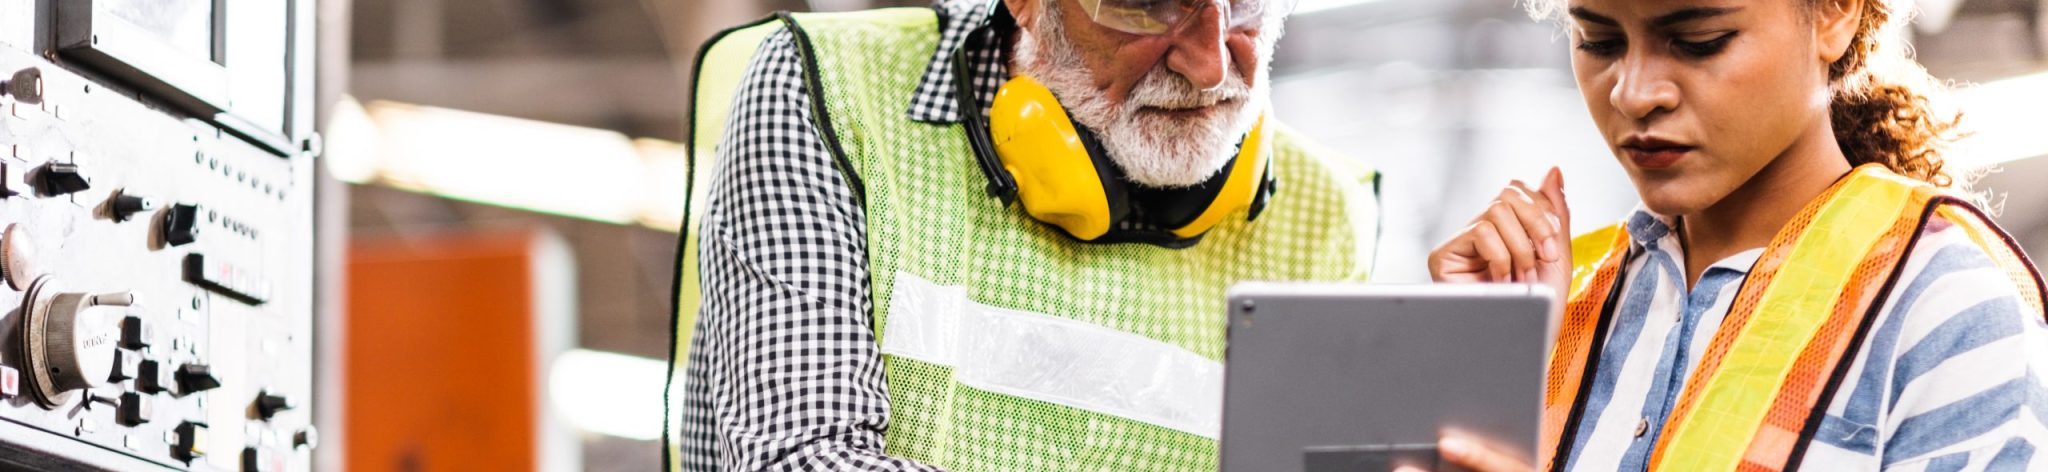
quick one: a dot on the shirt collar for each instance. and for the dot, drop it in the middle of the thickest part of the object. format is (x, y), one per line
(933, 101)
(1650, 231)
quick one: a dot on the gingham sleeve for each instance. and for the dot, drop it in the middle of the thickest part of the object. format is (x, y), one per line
(784, 372)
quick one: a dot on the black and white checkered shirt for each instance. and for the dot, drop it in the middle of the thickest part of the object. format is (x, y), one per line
(784, 372)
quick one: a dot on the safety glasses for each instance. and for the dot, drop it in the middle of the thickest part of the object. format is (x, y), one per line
(1161, 16)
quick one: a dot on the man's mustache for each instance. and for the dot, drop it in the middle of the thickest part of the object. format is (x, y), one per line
(1164, 88)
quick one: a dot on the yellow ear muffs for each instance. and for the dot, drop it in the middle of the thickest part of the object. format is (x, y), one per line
(1247, 172)
(1057, 180)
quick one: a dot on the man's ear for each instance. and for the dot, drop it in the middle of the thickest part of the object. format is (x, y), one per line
(1834, 26)
(1025, 11)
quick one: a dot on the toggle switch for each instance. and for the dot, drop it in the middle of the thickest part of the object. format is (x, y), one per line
(59, 178)
(270, 404)
(195, 378)
(125, 206)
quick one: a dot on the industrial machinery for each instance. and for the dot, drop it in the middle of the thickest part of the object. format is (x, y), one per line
(156, 234)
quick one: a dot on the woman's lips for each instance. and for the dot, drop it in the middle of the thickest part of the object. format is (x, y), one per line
(1657, 158)
(1654, 153)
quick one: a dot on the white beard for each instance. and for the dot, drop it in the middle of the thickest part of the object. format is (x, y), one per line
(1152, 149)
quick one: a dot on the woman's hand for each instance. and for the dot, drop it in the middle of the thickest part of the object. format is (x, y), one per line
(1523, 237)
(1469, 455)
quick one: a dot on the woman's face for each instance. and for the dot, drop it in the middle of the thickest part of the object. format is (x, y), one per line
(1695, 97)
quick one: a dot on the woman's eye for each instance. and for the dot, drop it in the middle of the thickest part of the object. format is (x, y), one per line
(1703, 48)
(1602, 47)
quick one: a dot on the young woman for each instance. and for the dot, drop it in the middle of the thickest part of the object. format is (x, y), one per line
(1800, 287)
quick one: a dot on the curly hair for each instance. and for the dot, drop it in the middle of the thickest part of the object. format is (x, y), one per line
(1884, 109)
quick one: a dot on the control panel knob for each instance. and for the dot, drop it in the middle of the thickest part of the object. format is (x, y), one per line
(71, 339)
(181, 224)
(136, 409)
(154, 377)
(308, 438)
(26, 85)
(125, 206)
(195, 378)
(191, 443)
(18, 258)
(59, 178)
(270, 404)
(258, 459)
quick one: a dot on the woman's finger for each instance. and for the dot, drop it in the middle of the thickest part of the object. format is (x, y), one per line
(1521, 250)
(1537, 221)
(1493, 251)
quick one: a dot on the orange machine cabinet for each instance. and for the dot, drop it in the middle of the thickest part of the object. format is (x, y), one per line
(444, 359)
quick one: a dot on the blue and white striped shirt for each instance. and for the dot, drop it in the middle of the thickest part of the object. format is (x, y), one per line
(1948, 379)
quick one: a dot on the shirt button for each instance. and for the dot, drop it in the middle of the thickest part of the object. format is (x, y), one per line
(1642, 426)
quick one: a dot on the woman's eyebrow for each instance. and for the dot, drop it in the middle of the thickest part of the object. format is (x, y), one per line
(1595, 18)
(1691, 14)
(1662, 21)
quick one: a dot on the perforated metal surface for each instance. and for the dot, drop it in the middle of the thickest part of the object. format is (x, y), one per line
(252, 214)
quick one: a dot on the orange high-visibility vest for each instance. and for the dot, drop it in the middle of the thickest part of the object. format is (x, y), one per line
(1752, 404)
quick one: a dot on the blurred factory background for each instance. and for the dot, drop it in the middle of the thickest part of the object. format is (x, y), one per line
(531, 148)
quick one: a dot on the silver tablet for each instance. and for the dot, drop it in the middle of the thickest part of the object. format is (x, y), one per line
(1351, 377)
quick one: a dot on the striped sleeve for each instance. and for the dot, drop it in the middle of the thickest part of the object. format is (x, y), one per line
(1962, 389)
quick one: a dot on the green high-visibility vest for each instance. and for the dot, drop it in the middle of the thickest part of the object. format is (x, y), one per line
(1007, 345)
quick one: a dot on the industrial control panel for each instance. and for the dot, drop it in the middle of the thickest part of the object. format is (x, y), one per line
(156, 235)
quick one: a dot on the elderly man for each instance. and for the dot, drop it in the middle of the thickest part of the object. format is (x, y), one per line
(994, 235)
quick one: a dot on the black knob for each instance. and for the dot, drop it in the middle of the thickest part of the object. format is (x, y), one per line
(194, 378)
(136, 332)
(136, 409)
(269, 404)
(125, 206)
(61, 179)
(155, 377)
(308, 438)
(257, 459)
(181, 224)
(191, 443)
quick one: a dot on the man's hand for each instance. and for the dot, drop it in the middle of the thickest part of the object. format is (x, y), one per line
(1473, 456)
(1523, 237)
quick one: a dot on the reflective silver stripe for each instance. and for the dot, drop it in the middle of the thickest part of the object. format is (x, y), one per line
(1055, 360)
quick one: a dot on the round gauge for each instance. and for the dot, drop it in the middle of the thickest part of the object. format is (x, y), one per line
(70, 339)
